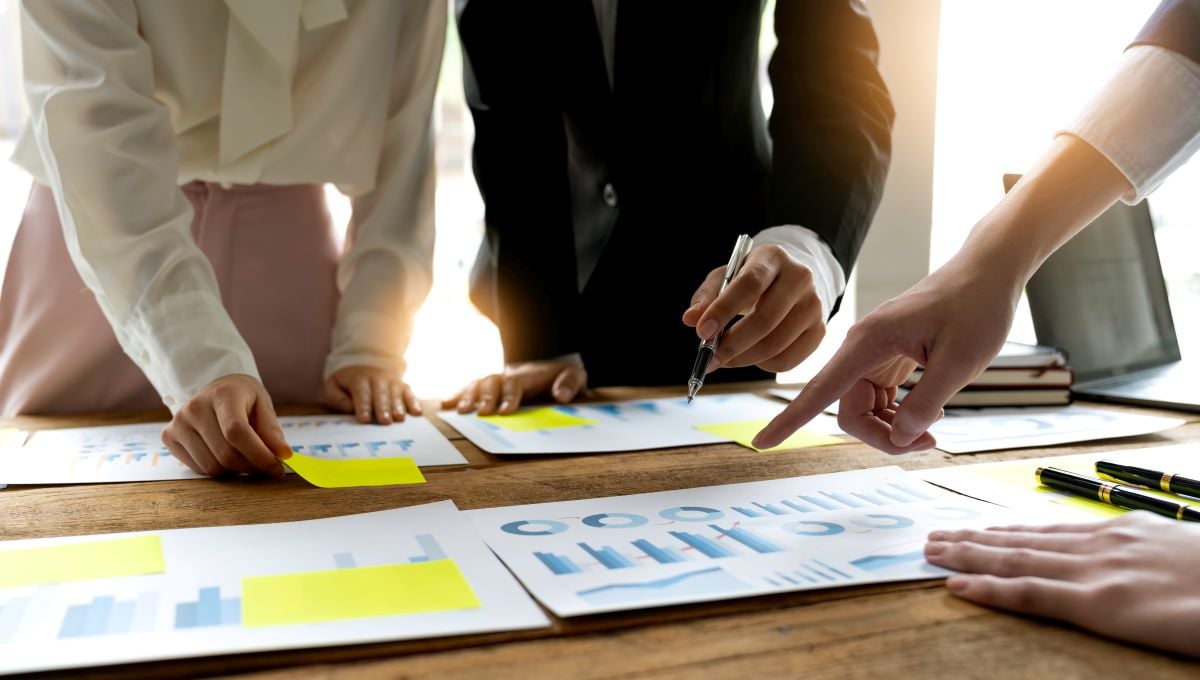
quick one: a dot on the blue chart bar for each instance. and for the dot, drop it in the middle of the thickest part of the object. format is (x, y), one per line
(344, 560)
(747, 512)
(11, 614)
(705, 545)
(844, 499)
(558, 564)
(105, 615)
(209, 609)
(660, 555)
(874, 500)
(913, 492)
(748, 539)
(820, 502)
(608, 557)
(432, 549)
(773, 509)
(796, 506)
(893, 495)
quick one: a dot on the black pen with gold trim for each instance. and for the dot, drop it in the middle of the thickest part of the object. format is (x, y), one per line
(1118, 495)
(1154, 479)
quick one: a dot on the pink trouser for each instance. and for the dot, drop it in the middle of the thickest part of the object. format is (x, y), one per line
(275, 257)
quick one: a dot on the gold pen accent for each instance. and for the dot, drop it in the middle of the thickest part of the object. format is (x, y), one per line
(1105, 492)
(1165, 482)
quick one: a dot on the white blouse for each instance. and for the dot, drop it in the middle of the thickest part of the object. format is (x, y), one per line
(1146, 119)
(129, 99)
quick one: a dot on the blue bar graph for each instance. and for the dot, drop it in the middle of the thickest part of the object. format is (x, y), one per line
(106, 615)
(558, 564)
(432, 551)
(913, 492)
(344, 560)
(747, 512)
(706, 546)
(843, 499)
(893, 495)
(874, 500)
(608, 557)
(773, 509)
(796, 506)
(660, 555)
(209, 609)
(748, 539)
(819, 502)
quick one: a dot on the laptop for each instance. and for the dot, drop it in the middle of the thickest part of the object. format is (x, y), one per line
(1102, 298)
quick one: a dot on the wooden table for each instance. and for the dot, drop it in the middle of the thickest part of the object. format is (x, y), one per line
(883, 631)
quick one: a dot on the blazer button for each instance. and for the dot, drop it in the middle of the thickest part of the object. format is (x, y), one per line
(610, 196)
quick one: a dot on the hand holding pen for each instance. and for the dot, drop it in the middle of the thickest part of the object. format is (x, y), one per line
(785, 320)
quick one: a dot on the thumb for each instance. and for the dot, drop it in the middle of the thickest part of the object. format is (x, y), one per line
(947, 371)
(569, 382)
(266, 424)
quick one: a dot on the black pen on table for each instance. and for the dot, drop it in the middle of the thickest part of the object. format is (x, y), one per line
(1118, 495)
(1154, 479)
(708, 348)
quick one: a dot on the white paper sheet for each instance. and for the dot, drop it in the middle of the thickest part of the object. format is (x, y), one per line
(993, 429)
(135, 453)
(195, 607)
(625, 425)
(723, 542)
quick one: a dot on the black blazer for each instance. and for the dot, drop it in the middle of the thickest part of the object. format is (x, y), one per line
(678, 152)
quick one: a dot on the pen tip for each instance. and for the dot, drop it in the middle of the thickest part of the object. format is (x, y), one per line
(689, 400)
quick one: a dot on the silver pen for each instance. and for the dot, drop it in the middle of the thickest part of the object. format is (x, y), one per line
(708, 348)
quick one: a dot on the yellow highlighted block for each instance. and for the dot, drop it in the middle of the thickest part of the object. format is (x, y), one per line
(744, 432)
(537, 419)
(332, 474)
(355, 593)
(112, 558)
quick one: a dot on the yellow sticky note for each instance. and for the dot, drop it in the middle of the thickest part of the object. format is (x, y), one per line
(132, 556)
(331, 474)
(744, 432)
(355, 593)
(537, 419)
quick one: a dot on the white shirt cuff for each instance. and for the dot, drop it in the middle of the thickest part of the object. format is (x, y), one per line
(1144, 119)
(803, 244)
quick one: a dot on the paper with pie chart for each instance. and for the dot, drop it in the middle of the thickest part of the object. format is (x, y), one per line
(730, 541)
(620, 425)
(993, 429)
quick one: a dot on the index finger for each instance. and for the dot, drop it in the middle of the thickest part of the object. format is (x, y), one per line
(849, 364)
(236, 428)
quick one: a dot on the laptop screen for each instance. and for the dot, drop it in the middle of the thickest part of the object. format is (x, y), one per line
(1102, 297)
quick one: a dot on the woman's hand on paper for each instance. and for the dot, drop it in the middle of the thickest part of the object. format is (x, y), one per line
(953, 322)
(784, 323)
(371, 394)
(1132, 578)
(501, 393)
(229, 427)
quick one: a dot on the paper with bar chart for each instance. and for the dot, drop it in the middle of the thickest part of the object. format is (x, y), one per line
(721, 542)
(135, 453)
(392, 575)
(619, 425)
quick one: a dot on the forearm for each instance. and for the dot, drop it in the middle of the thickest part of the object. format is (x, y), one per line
(1068, 188)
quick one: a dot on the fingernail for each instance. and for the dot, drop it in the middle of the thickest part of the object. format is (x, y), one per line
(900, 437)
(464, 403)
(938, 535)
(956, 583)
(935, 548)
(708, 329)
(504, 405)
(417, 410)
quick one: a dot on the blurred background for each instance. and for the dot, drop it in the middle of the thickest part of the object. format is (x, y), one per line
(980, 87)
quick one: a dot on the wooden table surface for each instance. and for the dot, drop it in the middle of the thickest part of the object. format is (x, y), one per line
(882, 631)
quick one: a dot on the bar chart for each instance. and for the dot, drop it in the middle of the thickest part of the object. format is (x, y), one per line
(107, 615)
(357, 449)
(208, 609)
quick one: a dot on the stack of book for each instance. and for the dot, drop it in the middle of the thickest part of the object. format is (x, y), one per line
(1021, 375)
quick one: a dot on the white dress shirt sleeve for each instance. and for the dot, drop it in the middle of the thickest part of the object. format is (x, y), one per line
(109, 155)
(804, 245)
(386, 271)
(1145, 120)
